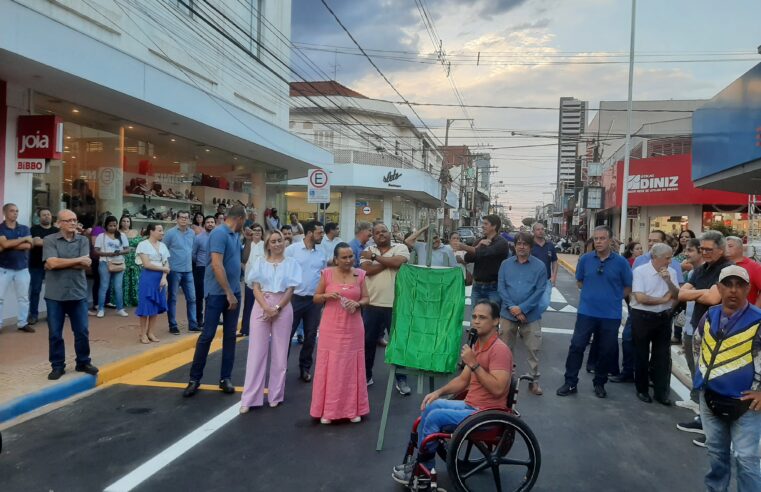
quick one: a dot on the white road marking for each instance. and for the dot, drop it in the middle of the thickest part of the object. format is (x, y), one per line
(158, 462)
(468, 290)
(466, 324)
(551, 309)
(679, 388)
(467, 301)
(563, 331)
(556, 296)
(568, 309)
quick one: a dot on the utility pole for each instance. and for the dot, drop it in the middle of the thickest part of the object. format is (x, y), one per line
(625, 179)
(445, 174)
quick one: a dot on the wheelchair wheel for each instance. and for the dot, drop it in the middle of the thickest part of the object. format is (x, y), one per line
(493, 450)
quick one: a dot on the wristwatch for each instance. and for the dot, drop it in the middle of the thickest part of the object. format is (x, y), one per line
(373, 257)
(277, 307)
(475, 367)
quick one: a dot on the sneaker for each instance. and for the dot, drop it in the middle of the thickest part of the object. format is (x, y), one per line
(101, 313)
(355, 420)
(695, 426)
(32, 320)
(26, 329)
(403, 388)
(174, 331)
(699, 441)
(566, 390)
(370, 382)
(111, 305)
(688, 404)
(326, 421)
(122, 313)
(92, 312)
(403, 473)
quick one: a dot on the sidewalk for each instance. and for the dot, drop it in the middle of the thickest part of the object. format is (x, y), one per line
(114, 349)
(678, 363)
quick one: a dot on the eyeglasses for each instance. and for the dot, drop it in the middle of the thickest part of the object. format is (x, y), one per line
(706, 250)
(68, 221)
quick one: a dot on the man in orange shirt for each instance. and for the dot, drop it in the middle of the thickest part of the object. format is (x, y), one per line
(734, 253)
(486, 376)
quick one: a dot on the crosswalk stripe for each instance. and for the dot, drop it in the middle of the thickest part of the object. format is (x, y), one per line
(556, 296)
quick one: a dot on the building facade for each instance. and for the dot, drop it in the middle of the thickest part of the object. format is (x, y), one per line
(151, 113)
(385, 168)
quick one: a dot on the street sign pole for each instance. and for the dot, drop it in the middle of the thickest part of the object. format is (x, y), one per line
(625, 180)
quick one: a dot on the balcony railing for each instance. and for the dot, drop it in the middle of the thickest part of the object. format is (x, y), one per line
(371, 158)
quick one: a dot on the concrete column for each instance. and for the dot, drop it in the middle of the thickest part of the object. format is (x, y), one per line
(348, 214)
(388, 216)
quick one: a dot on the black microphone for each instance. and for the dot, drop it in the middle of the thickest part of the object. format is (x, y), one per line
(472, 338)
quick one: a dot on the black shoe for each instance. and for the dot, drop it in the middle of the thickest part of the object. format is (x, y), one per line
(240, 335)
(305, 376)
(695, 426)
(644, 397)
(566, 390)
(621, 379)
(600, 391)
(300, 339)
(226, 386)
(195, 329)
(590, 369)
(26, 329)
(174, 331)
(32, 320)
(56, 373)
(665, 401)
(700, 441)
(191, 389)
(88, 368)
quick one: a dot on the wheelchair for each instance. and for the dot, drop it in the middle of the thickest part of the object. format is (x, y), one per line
(492, 449)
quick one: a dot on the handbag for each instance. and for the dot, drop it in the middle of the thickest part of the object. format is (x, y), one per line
(116, 265)
(724, 407)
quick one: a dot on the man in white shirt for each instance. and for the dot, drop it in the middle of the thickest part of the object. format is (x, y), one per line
(311, 257)
(654, 290)
(330, 241)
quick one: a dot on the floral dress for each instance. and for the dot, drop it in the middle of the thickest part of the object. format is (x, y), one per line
(131, 273)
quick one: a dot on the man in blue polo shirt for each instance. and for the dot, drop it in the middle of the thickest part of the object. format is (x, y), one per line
(179, 242)
(605, 279)
(15, 243)
(222, 288)
(545, 251)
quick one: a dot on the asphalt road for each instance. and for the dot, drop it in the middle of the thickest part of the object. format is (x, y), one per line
(587, 444)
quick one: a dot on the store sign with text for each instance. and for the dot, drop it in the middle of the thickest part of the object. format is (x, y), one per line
(38, 138)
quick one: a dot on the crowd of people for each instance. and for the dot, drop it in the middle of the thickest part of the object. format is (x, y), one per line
(303, 278)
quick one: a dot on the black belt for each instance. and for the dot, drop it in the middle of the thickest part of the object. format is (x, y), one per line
(650, 314)
(493, 282)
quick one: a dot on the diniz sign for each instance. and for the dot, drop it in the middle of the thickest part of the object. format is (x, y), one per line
(38, 139)
(391, 177)
(647, 183)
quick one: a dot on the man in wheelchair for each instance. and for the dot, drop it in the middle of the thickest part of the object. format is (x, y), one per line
(485, 376)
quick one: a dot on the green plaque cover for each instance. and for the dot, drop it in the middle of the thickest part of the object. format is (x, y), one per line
(427, 322)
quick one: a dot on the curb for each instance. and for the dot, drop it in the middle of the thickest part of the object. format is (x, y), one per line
(567, 266)
(82, 383)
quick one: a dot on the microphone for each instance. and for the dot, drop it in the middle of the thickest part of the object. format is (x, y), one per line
(472, 338)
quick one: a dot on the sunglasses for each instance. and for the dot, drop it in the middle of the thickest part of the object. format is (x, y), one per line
(601, 270)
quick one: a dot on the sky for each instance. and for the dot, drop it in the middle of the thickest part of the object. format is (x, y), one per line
(532, 53)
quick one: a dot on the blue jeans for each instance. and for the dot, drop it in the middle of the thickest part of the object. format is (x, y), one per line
(36, 278)
(198, 274)
(743, 436)
(436, 416)
(77, 313)
(216, 306)
(175, 281)
(606, 334)
(106, 278)
(304, 309)
(376, 319)
(484, 291)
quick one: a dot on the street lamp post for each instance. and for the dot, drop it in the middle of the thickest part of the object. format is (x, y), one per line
(446, 174)
(625, 180)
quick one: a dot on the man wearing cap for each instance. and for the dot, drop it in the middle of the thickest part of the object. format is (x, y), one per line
(727, 343)
(654, 289)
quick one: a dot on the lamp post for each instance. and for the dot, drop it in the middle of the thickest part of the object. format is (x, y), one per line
(445, 176)
(627, 145)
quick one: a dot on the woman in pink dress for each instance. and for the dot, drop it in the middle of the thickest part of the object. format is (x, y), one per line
(339, 388)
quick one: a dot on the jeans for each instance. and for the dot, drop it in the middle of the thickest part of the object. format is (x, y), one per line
(248, 307)
(77, 313)
(198, 274)
(605, 331)
(304, 309)
(436, 416)
(185, 280)
(20, 281)
(481, 291)
(652, 330)
(36, 278)
(216, 306)
(690, 356)
(546, 299)
(106, 278)
(743, 436)
(376, 319)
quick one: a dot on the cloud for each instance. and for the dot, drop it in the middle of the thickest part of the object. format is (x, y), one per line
(527, 26)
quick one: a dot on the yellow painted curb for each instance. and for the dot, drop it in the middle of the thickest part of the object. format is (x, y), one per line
(138, 361)
(567, 265)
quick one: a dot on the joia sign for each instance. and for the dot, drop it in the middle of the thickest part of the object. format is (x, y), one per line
(38, 138)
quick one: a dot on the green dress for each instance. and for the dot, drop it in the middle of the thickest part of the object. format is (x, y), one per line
(131, 273)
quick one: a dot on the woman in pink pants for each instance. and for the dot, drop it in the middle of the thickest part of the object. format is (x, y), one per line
(339, 388)
(272, 279)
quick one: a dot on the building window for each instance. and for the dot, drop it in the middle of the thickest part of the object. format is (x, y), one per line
(255, 26)
(324, 138)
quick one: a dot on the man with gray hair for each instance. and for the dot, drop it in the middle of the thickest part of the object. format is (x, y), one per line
(362, 233)
(736, 255)
(654, 290)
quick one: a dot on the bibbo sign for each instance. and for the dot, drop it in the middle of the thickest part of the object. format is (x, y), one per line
(38, 138)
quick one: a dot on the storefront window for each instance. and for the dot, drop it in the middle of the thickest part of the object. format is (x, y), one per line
(297, 203)
(729, 223)
(403, 211)
(369, 209)
(111, 166)
(670, 224)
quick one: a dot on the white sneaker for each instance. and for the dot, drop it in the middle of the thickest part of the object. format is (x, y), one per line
(101, 313)
(688, 404)
(325, 421)
(122, 313)
(355, 420)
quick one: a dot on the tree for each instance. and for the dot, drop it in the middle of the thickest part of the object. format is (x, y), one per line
(528, 221)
